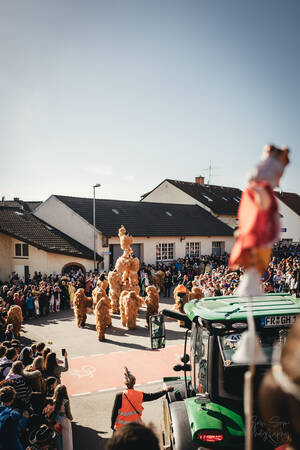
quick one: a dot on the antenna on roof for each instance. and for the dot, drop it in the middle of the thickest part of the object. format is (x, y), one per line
(210, 169)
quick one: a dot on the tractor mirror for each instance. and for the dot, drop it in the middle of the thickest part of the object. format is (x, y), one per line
(157, 331)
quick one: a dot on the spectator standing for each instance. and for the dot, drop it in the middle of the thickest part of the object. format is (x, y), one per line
(52, 368)
(167, 283)
(133, 436)
(9, 420)
(18, 382)
(62, 413)
(30, 307)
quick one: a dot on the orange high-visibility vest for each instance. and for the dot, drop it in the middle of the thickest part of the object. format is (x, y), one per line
(127, 413)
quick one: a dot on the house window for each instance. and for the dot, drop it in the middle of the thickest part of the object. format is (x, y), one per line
(104, 241)
(192, 249)
(164, 252)
(21, 250)
(218, 248)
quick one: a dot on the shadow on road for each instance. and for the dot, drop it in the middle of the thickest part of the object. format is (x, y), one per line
(87, 438)
(61, 316)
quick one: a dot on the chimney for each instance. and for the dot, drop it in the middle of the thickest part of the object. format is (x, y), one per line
(199, 180)
(16, 199)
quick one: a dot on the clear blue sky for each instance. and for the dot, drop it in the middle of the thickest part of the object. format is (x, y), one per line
(129, 92)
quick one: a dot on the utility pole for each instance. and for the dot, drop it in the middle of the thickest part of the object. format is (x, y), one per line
(94, 222)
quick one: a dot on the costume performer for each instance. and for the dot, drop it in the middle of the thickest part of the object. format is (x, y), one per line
(130, 304)
(103, 319)
(15, 317)
(258, 219)
(115, 288)
(152, 302)
(82, 303)
(181, 297)
(196, 293)
(128, 405)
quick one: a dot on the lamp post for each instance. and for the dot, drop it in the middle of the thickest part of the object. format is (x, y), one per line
(94, 222)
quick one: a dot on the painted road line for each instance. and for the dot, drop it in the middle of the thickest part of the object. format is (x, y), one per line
(153, 382)
(108, 390)
(78, 357)
(83, 393)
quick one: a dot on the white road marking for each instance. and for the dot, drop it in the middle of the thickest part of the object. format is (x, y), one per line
(83, 393)
(155, 381)
(109, 389)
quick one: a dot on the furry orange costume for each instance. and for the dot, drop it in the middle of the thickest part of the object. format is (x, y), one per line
(180, 300)
(130, 303)
(81, 306)
(15, 317)
(99, 291)
(126, 262)
(102, 314)
(115, 288)
(152, 302)
(196, 293)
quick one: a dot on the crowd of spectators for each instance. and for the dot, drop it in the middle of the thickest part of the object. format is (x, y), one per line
(43, 295)
(214, 278)
(35, 409)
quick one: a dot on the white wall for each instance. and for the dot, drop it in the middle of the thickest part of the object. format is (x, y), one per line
(149, 245)
(168, 193)
(231, 221)
(56, 213)
(38, 260)
(290, 221)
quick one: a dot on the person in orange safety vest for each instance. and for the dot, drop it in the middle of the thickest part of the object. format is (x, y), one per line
(128, 405)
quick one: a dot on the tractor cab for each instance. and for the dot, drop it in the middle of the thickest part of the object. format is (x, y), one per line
(209, 395)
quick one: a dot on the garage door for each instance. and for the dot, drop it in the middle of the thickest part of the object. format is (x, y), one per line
(116, 251)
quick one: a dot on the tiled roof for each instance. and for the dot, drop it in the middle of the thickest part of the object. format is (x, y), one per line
(17, 203)
(22, 225)
(291, 199)
(219, 199)
(147, 218)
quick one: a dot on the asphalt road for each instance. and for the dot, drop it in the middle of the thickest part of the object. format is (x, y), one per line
(96, 368)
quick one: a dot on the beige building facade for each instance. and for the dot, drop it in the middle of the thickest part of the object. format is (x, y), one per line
(37, 259)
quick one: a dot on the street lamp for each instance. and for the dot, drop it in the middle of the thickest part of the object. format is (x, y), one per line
(94, 222)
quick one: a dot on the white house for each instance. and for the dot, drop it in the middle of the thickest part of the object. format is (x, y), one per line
(220, 201)
(289, 208)
(161, 231)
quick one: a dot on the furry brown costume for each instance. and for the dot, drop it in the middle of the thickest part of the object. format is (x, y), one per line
(15, 317)
(155, 280)
(99, 291)
(161, 276)
(81, 307)
(102, 314)
(115, 288)
(196, 293)
(180, 301)
(152, 302)
(130, 303)
(126, 262)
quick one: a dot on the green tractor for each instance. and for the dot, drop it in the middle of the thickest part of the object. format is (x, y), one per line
(205, 410)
